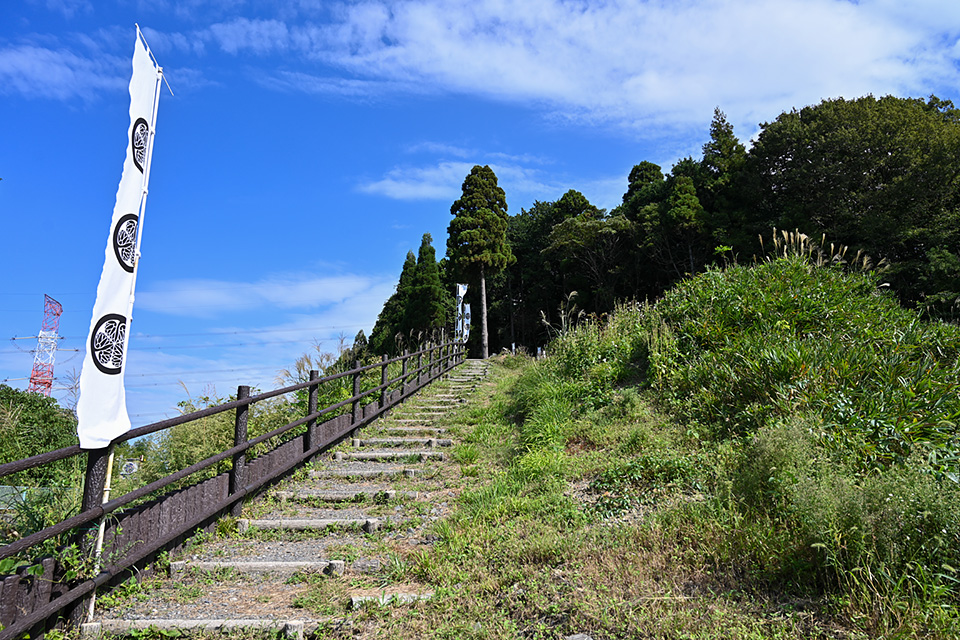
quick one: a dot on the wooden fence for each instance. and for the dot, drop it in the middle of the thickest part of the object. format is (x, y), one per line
(47, 592)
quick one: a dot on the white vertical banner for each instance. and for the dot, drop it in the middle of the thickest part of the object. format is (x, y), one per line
(462, 313)
(102, 408)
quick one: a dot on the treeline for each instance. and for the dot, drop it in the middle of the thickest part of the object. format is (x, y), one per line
(879, 175)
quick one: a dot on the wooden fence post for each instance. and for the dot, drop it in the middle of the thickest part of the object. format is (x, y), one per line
(356, 392)
(312, 399)
(238, 473)
(383, 381)
(95, 478)
(403, 371)
(94, 481)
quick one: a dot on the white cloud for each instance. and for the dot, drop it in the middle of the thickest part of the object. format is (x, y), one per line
(161, 42)
(642, 64)
(441, 149)
(303, 312)
(443, 181)
(328, 85)
(440, 182)
(652, 67)
(40, 72)
(206, 298)
(68, 8)
(258, 36)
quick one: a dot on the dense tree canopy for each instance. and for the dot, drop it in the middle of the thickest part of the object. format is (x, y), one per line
(880, 175)
(877, 174)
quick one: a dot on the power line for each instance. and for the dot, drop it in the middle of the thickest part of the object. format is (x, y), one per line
(194, 372)
(241, 332)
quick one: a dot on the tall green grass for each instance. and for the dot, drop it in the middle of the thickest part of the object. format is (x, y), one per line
(817, 417)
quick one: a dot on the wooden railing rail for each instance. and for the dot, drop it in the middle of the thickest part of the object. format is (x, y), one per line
(37, 596)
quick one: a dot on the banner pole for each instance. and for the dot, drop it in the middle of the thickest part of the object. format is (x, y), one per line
(145, 187)
(98, 550)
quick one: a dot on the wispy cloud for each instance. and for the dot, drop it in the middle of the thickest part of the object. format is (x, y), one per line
(207, 298)
(441, 149)
(161, 42)
(301, 313)
(443, 181)
(256, 36)
(439, 182)
(329, 85)
(41, 72)
(68, 8)
(651, 67)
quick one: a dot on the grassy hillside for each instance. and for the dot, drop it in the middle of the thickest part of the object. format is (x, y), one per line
(769, 451)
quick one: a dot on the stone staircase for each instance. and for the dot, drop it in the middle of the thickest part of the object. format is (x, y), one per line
(346, 529)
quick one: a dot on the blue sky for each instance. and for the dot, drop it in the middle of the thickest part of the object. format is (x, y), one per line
(310, 144)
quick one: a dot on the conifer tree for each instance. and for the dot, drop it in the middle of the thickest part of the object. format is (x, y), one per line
(724, 157)
(360, 346)
(424, 309)
(388, 325)
(477, 242)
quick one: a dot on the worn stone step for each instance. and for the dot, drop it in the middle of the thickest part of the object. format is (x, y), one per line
(423, 456)
(369, 525)
(366, 472)
(282, 568)
(384, 599)
(401, 442)
(345, 495)
(403, 430)
(290, 629)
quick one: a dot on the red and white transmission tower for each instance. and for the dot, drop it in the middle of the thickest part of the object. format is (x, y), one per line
(41, 378)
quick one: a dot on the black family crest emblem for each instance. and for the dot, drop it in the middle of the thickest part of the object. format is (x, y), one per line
(138, 141)
(125, 240)
(107, 342)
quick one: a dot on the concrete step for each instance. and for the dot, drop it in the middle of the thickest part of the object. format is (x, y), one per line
(369, 525)
(281, 568)
(346, 495)
(402, 442)
(378, 456)
(405, 430)
(288, 629)
(389, 598)
(365, 472)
